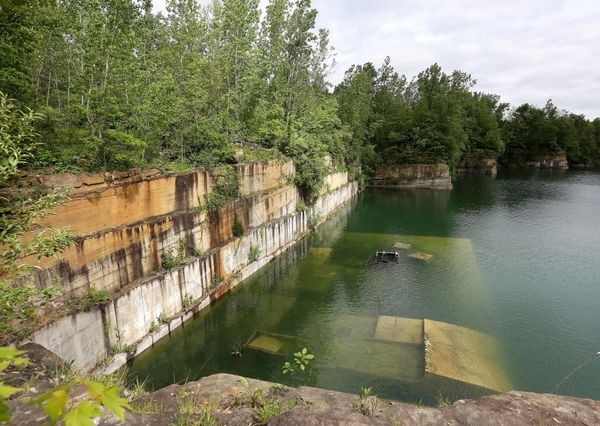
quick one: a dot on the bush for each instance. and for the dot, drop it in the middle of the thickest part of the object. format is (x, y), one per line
(170, 261)
(310, 174)
(225, 187)
(253, 254)
(238, 227)
(94, 297)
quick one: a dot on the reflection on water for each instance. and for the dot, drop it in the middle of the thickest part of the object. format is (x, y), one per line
(514, 259)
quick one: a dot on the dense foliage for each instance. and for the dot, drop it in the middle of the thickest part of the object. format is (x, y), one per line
(438, 117)
(119, 86)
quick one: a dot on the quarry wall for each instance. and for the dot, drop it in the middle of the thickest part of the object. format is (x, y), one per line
(123, 224)
(427, 176)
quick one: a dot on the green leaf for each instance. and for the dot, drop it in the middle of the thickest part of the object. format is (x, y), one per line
(54, 402)
(309, 356)
(7, 391)
(109, 398)
(9, 356)
(83, 414)
(302, 367)
(304, 351)
(4, 412)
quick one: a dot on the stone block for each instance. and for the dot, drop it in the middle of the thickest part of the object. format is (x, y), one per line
(400, 330)
(425, 257)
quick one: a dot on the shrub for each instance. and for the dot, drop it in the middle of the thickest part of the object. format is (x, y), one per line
(170, 261)
(94, 297)
(253, 254)
(238, 226)
(367, 402)
(301, 207)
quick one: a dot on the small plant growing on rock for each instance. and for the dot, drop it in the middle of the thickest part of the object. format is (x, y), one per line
(253, 254)
(266, 408)
(442, 400)
(162, 319)
(238, 226)
(129, 349)
(187, 301)
(367, 402)
(153, 327)
(94, 297)
(170, 261)
(301, 207)
(215, 281)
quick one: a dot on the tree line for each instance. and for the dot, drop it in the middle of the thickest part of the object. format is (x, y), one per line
(118, 86)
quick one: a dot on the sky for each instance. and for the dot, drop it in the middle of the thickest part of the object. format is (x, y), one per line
(523, 50)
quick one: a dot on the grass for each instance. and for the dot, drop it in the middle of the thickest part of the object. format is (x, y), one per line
(191, 411)
(253, 254)
(367, 402)
(442, 400)
(265, 407)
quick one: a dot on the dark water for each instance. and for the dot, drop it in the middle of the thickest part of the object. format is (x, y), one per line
(516, 257)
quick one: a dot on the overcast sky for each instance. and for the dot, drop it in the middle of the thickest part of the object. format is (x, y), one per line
(523, 50)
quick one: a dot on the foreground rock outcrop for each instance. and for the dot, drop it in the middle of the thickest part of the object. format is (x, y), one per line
(228, 396)
(225, 399)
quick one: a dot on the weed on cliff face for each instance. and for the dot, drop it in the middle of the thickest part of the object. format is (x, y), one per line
(253, 254)
(171, 261)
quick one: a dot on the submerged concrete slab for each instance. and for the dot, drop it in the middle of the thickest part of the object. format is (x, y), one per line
(266, 343)
(401, 330)
(388, 360)
(275, 343)
(463, 354)
(353, 326)
(402, 246)
(425, 257)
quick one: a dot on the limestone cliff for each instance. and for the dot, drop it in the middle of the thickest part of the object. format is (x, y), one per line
(124, 224)
(429, 176)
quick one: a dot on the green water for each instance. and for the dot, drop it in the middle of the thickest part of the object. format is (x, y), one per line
(515, 257)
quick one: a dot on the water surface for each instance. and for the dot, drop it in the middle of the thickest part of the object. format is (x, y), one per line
(515, 257)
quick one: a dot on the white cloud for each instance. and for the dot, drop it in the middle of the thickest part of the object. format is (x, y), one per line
(523, 50)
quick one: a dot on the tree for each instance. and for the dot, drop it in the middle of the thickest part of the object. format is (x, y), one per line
(16, 44)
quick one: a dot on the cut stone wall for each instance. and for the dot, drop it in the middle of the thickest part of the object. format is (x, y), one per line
(123, 227)
(142, 291)
(414, 176)
(556, 161)
(478, 164)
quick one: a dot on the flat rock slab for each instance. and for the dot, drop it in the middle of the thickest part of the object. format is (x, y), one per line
(352, 326)
(308, 406)
(274, 343)
(463, 354)
(401, 330)
(402, 246)
(425, 257)
(266, 343)
(379, 359)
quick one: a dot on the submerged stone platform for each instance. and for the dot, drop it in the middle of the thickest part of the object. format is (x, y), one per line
(405, 350)
(463, 354)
